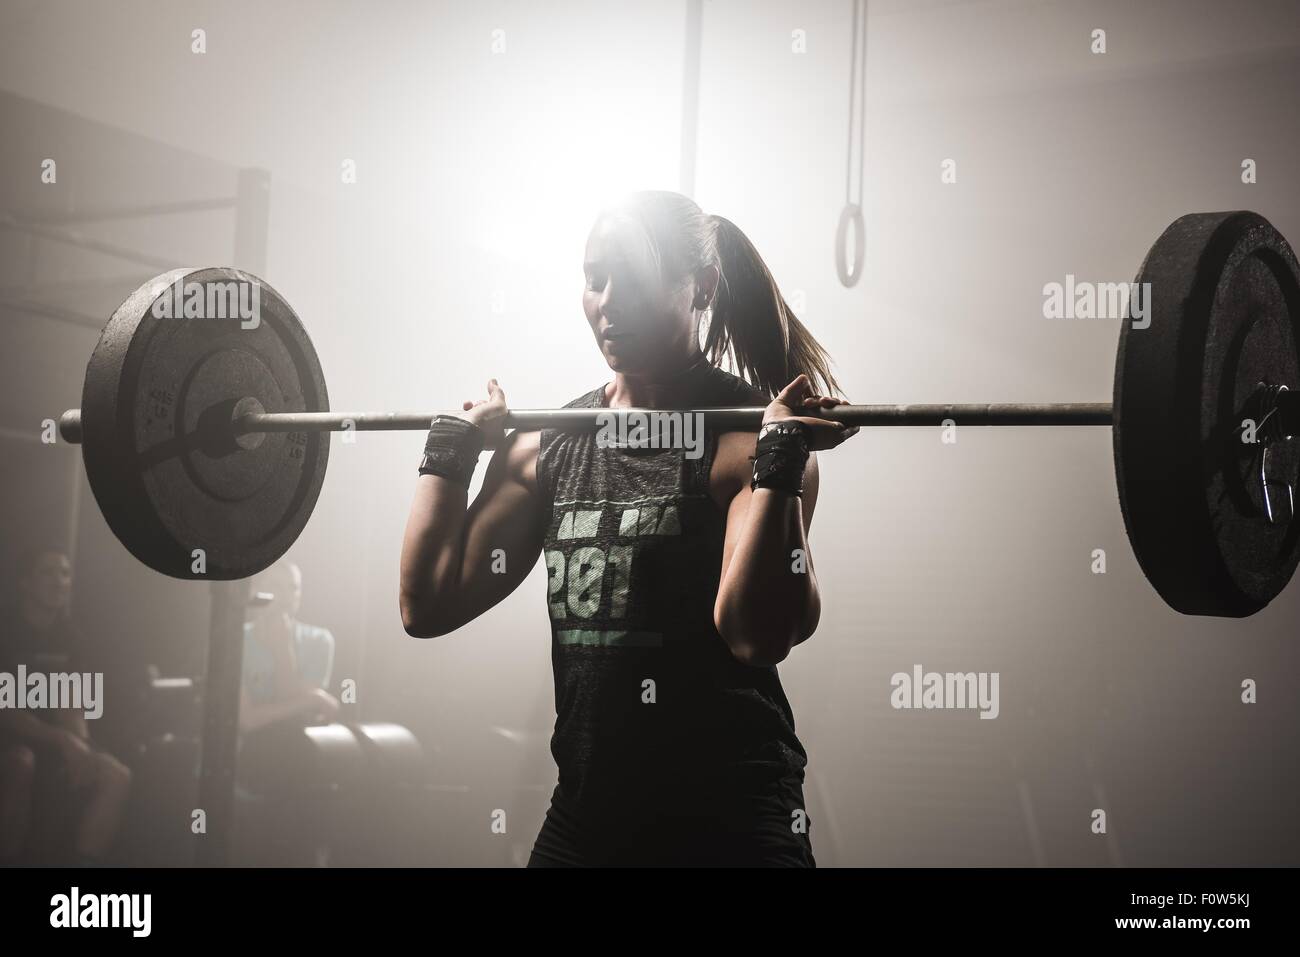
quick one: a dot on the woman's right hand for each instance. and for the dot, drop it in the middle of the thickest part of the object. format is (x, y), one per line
(488, 414)
(796, 403)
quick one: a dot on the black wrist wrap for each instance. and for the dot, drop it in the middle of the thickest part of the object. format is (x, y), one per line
(452, 449)
(779, 457)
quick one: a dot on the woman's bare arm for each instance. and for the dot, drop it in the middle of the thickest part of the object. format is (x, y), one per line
(768, 600)
(458, 562)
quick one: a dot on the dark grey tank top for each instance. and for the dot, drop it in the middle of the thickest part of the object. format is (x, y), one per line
(652, 709)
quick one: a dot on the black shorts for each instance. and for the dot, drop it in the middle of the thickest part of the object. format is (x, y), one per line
(768, 828)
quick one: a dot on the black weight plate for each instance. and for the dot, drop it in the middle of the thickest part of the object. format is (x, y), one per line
(163, 486)
(1225, 316)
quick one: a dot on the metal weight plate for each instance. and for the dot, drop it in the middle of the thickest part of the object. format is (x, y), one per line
(157, 395)
(1224, 317)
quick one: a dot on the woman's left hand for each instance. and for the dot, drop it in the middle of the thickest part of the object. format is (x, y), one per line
(795, 402)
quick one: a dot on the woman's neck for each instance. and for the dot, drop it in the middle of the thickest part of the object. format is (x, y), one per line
(663, 391)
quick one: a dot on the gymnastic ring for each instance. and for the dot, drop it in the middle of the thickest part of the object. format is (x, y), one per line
(852, 214)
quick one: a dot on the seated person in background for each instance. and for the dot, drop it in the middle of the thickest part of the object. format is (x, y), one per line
(287, 663)
(37, 632)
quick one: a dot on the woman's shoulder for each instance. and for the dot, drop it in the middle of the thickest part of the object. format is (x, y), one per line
(729, 469)
(593, 399)
(523, 444)
(543, 439)
(726, 389)
(535, 450)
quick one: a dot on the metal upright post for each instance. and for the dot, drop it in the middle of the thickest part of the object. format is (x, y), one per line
(229, 599)
(221, 721)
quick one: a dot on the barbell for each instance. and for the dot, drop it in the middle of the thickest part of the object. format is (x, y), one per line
(208, 436)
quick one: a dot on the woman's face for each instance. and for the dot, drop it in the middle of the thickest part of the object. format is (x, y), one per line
(642, 324)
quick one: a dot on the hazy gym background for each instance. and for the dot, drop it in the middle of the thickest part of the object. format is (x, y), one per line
(455, 256)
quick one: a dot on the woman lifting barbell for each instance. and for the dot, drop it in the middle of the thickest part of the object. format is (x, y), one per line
(678, 578)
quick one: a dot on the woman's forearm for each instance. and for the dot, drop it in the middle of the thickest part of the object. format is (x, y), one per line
(768, 601)
(432, 551)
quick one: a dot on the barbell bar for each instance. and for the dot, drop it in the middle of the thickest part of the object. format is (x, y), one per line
(735, 417)
(207, 435)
